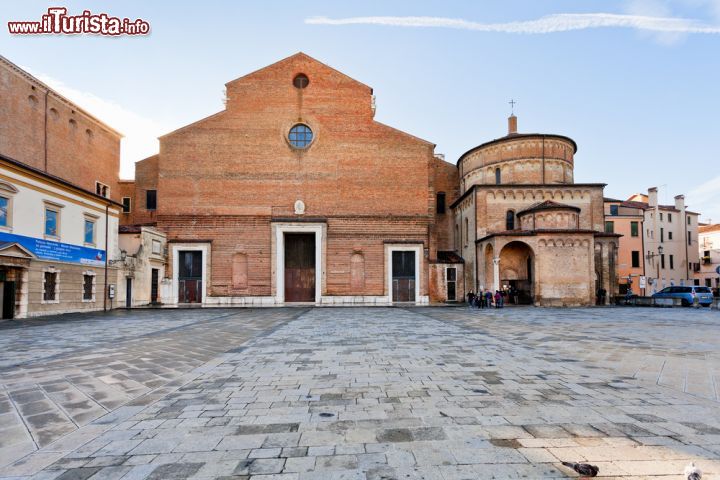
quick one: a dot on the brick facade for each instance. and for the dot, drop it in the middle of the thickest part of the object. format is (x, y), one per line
(225, 179)
(224, 183)
(525, 225)
(44, 130)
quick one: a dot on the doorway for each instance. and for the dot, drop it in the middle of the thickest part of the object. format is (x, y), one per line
(128, 292)
(403, 276)
(451, 280)
(517, 272)
(299, 267)
(154, 281)
(7, 293)
(190, 276)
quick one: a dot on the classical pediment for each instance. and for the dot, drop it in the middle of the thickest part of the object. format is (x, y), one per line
(14, 249)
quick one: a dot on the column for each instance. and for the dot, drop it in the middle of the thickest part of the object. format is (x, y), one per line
(496, 274)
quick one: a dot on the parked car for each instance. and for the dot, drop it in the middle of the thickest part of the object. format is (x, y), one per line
(687, 295)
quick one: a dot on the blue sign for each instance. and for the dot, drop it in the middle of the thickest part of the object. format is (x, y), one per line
(61, 252)
(717, 270)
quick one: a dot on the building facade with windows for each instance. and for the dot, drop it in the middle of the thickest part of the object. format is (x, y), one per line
(670, 240)
(294, 193)
(709, 243)
(626, 218)
(53, 243)
(58, 212)
(143, 251)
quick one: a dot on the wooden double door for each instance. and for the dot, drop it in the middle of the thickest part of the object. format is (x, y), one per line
(403, 276)
(300, 267)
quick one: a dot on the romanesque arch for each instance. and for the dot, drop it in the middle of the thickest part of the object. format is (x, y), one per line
(517, 270)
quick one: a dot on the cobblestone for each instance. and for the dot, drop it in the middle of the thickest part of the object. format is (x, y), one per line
(389, 393)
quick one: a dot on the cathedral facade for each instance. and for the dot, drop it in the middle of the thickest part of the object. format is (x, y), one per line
(295, 194)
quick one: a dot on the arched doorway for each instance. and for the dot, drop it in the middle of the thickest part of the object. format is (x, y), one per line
(517, 271)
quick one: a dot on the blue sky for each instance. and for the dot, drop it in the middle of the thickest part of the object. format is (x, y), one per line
(641, 102)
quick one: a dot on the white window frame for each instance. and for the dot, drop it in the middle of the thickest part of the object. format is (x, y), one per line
(8, 191)
(104, 189)
(186, 247)
(57, 285)
(9, 214)
(57, 208)
(396, 247)
(94, 283)
(447, 282)
(94, 219)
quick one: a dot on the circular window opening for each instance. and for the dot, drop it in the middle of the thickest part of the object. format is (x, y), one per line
(300, 136)
(301, 80)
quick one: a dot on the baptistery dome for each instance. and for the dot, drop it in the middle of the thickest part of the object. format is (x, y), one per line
(519, 159)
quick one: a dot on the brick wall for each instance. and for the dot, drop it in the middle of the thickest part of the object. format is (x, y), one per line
(223, 178)
(445, 179)
(146, 178)
(42, 129)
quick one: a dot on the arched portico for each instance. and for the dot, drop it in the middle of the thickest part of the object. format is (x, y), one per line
(517, 270)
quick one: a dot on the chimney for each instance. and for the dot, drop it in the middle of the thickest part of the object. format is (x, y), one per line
(512, 125)
(653, 197)
(680, 202)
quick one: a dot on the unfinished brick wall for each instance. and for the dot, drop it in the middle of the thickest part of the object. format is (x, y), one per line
(42, 129)
(445, 179)
(146, 178)
(224, 178)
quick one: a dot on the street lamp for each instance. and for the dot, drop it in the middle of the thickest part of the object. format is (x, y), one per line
(123, 256)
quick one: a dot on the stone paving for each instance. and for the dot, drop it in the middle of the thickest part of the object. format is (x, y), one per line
(61, 373)
(367, 393)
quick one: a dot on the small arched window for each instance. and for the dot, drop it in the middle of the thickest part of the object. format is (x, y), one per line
(510, 220)
(467, 230)
(498, 179)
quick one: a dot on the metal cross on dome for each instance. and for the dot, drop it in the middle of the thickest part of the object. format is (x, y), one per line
(512, 106)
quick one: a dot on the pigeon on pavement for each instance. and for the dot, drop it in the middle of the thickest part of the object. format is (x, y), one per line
(584, 469)
(692, 472)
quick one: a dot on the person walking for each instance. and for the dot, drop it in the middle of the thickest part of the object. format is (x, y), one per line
(470, 298)
(498, 299)
(488, 299)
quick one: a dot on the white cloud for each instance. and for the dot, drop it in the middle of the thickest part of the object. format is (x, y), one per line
(140, 133)
(562, 22)
(705, 199)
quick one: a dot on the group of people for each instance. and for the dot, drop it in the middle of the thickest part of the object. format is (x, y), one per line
(486, 299)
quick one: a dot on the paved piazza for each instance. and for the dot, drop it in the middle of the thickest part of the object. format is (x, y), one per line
(360, 393)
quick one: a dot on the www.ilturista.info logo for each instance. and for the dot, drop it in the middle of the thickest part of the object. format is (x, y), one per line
(57, 21)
